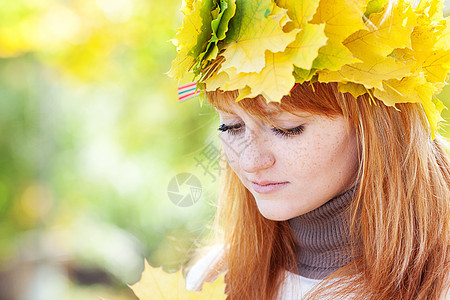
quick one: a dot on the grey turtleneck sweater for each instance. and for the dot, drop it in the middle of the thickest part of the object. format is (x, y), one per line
(322, 237)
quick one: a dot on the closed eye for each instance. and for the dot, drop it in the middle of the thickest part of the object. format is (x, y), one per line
(288, 132)
(238, 128)
(231, 129)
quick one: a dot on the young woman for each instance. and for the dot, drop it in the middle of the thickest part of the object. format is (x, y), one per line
(336, 188)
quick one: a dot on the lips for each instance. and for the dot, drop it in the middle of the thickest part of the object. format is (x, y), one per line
(266, 187)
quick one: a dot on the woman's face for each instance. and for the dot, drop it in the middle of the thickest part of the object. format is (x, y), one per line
(293, 171)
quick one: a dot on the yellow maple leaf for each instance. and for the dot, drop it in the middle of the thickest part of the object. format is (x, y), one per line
(250, 36)
(187, 6)
(370, 73)
(342, 18)
(352, 88)
(413, 89)
(305, 49)
(155, 284)
(431, 9)
(431, 50)
(218, 80)
(273, 82)
(385, 35)
(443, 41)
(333, 56)
(430, 36)
(437, 66)
(299, 11)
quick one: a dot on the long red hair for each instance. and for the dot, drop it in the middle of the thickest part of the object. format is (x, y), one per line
(400, 221)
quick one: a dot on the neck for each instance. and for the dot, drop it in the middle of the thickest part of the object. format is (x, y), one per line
(322, 237)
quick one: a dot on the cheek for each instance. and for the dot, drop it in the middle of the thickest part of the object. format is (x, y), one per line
(320, 157)
(231, 150)
(338, 156)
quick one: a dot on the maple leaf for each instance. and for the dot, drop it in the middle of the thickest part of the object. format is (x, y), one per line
(219, 26)
(385, 35)
(256, 28)
(155, 284)
(342, 18)
(299, 11)
(370, 73)
(437, 66)
(354, 89)
(430, 36)
(187, 6)
(431, 10)
(374, 6)
(333, 56)
(189, 46)
(274, 81)
(218, 80)
(431, 50)
(413, 89)
(302, 75)
(305, 49)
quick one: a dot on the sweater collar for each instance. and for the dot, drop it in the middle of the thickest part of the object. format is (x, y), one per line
(322, 237)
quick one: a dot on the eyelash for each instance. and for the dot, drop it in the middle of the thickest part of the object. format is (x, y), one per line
(235, 129)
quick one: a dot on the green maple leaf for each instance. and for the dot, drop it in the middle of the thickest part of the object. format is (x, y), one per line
(219, 26)
(302, 75)
(189, 46)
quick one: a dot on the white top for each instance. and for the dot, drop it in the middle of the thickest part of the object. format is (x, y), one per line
(293, 288)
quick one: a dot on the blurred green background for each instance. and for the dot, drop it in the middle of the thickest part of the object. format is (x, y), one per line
(90, 136)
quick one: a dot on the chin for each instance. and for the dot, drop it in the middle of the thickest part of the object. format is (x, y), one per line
(276, 213)
(279, 210)
(275, 217)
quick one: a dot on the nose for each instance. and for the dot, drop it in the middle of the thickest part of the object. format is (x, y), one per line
(256, 154)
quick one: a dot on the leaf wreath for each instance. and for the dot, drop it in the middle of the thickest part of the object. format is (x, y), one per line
(398, 53)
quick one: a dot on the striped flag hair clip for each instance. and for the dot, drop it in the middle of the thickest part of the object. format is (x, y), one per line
(187, 91)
